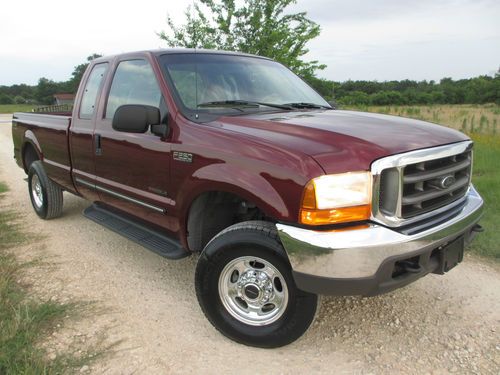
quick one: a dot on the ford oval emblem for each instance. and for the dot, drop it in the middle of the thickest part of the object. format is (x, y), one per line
(447, 181)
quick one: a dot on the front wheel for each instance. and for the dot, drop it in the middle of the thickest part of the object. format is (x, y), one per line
(245, 287)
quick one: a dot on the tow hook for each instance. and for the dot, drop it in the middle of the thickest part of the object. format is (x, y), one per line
(408, 266)
(477, 228)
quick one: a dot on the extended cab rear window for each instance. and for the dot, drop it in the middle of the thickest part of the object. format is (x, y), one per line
(89, 98)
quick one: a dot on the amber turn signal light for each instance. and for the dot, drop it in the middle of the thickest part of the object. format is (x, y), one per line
(334, 216)
(333, 199)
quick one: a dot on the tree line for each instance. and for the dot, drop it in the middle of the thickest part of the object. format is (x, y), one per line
(268, 28)
(477, 90)
(43, 92)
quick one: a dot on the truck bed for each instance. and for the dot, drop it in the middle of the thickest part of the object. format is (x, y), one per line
(51, 142)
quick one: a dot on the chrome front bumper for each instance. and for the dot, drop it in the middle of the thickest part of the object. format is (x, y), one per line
(358, 261)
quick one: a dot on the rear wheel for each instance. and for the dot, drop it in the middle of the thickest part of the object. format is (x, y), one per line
(245, 287)
(46, 196)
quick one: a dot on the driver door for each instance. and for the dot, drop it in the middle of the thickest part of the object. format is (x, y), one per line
(132, 170)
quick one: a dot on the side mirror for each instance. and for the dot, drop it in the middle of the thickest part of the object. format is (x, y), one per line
(135, 118)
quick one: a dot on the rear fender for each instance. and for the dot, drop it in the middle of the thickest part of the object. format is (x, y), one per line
(30, 139)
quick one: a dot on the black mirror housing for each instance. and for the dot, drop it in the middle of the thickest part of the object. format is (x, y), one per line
(135, 118)
(161, 130)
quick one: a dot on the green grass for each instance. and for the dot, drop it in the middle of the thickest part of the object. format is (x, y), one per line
(468, 118)
(10, 233)
(486, 178)
(23, 323)
(11, 108)
(24, 320)
(481, 123)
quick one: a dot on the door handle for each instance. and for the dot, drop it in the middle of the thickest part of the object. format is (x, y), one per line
(98, 149)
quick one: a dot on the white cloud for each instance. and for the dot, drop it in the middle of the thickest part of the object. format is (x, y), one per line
(392, 39)
(361, 39)
(48, 38)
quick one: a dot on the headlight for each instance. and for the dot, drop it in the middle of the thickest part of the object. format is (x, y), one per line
(337, 198)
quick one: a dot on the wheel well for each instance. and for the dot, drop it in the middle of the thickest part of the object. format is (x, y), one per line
(29, 156)
(213, 211)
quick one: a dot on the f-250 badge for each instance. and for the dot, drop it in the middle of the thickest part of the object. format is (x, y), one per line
(185, 157)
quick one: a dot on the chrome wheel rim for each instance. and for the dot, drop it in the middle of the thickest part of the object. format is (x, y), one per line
(253, 291)
(36, 191)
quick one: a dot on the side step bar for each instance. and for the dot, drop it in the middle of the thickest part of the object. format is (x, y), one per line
(151, 240)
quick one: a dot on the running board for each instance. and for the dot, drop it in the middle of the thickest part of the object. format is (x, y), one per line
(151, 240)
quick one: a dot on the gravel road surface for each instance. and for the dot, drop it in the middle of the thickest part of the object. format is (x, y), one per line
(147, 305)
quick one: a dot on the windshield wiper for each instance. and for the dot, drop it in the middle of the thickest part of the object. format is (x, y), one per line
(245, 103)
(307, 105)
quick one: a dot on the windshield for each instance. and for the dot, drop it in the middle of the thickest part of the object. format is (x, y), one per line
(215, 81)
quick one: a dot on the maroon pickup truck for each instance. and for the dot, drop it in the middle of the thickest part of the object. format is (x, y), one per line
(236, 159)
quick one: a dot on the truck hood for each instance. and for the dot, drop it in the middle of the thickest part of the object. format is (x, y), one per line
(341, 141)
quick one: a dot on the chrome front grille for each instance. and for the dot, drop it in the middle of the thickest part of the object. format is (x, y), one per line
(413, 186)
(435, 183)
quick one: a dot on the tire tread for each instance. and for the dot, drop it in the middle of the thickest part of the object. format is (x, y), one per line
(261, 232)
(54, 193)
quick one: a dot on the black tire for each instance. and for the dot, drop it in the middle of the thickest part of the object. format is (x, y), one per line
(251, 239)
(49, 203)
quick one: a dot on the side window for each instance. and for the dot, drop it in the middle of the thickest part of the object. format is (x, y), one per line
(89, 98)
(134, 83)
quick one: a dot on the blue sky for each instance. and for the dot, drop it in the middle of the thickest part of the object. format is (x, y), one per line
(360, 39)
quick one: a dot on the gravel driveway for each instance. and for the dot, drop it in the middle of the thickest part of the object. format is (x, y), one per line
(440, 324)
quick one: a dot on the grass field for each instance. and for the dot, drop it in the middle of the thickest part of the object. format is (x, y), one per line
(468, 118)
(482, 124)
(11, 108)
(25, 321)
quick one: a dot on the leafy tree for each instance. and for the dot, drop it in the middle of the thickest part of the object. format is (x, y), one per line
(356, 98)
(19, 100)
(323, 86)
(5, 99)
(260, 27)
(387, 97)
(424, 98)
(437, 97)
(45, 90)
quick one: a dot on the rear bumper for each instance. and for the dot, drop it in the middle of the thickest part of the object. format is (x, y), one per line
(362, 261)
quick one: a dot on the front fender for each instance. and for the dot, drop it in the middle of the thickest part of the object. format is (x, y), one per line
(243, 183)
(277, 198)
